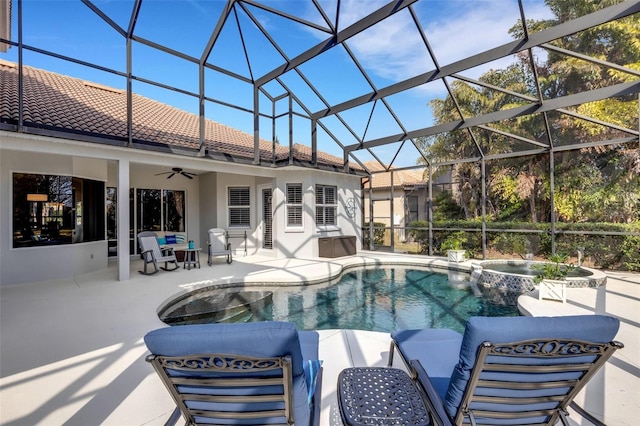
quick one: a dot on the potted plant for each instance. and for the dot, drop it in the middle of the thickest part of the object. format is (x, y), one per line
(453, 246)
(551, 278)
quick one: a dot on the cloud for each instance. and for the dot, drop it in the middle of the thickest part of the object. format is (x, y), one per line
(393, 49)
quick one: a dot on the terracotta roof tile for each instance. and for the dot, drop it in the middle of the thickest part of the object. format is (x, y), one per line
(67, 103)
(401, 178)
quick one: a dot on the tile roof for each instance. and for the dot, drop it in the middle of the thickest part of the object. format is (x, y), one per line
(401, 178)
(62, 103)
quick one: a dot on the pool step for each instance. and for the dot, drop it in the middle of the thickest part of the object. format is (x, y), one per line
(219, 307)
(238, 315)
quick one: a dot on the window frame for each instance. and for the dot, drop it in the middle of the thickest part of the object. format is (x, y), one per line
(243, 209)
(324, 206)
(294, 205)
(411, 214)
(50, 209)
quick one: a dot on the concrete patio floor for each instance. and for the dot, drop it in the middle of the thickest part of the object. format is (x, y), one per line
(71, 351)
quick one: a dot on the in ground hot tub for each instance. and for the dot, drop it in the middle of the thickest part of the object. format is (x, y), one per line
(506, 280)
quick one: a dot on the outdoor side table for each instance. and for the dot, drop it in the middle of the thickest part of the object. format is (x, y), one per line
(191, 258)
(380, 396)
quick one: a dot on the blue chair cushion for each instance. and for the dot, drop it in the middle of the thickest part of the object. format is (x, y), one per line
(309, 348)
(162, 241)
(592, 328)
(258, 339)
(171, 239)
(437, 349)
(311, 369)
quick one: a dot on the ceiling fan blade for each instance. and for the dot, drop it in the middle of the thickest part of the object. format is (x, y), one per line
(170, 176)
(187, 176)
(163, 173)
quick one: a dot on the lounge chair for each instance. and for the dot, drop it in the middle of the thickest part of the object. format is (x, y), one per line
(514, 370)
(152, 253)
(218, 245)
(239, 373)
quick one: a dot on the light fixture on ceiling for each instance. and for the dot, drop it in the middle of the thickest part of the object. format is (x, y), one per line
(43, 198)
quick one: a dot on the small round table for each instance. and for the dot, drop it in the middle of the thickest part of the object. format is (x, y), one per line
(191, 258)
(380, 396)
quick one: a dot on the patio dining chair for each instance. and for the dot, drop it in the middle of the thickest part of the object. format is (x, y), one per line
(507, 371)
(218, 245)
(152, 253)
(239, 373)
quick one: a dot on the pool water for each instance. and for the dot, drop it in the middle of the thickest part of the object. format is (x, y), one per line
(376, 299)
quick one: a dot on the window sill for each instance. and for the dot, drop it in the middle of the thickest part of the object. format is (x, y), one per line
(329, 228)
(294, 230)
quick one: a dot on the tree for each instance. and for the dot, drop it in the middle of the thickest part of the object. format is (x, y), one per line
(594, 182)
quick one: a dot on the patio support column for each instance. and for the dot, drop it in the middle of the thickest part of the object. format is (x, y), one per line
(393, 219)
(552, 190)
(371, 222)
(129, 94)
(123, 221)
(314, 142)
(20, 71)
(290, 130)
(273, 133)
(483, 170)
(256, 125)
(201, 110)
(430, 210)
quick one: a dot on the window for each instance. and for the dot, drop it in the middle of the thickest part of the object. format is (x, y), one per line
(326, 205)
(173, 208)
(239, 206)
(160, 210)
(294, 204)
(112, 213)
(411, 209)
(149, 210)
(53, 210)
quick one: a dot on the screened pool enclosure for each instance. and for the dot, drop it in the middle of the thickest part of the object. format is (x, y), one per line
(520, 118)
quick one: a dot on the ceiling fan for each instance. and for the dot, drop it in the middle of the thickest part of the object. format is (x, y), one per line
(177, 171)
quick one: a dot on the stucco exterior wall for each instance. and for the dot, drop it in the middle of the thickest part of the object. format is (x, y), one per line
(30, 264)
(303, 242)
(206, 202)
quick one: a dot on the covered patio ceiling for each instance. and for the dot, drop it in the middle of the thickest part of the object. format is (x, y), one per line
(354, 79)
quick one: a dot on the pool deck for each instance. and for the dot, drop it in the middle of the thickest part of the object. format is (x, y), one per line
(71, 351)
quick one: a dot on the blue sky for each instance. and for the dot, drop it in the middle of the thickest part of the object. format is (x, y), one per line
(390, 52)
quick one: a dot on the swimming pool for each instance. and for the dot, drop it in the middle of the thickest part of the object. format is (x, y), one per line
(376, 299)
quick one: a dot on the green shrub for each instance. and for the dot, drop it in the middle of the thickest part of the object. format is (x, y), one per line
(454, 241)
(606, 251)
(419, 232)
(378, 234)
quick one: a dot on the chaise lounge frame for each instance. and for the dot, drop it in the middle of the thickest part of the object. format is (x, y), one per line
(198, 368)
(541, 349)
(264, 372)
(521, 382)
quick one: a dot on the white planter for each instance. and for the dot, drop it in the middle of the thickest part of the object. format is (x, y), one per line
(553, 290)
(456, 255)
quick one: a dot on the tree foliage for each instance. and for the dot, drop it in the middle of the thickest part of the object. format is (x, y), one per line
(595, 181)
